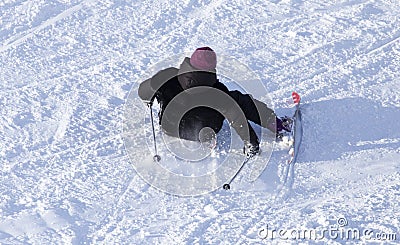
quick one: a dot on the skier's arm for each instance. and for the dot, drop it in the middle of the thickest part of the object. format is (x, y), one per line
(146, 93)
(255, 110)
(148, 89)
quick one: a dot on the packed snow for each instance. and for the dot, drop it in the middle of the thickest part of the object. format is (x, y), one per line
(69, 67)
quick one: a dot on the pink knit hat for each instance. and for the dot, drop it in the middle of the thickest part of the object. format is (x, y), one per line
(204, 59)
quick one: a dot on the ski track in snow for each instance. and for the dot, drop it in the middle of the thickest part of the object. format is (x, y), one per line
(68, 67)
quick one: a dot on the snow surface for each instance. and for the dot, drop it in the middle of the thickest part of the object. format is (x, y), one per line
(67, 68)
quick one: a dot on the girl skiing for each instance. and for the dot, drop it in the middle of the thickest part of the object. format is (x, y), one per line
(192, 98)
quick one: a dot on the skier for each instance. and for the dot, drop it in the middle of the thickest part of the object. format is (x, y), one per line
(196, 81)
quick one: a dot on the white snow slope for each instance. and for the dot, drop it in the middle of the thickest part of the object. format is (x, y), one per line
(67, 67)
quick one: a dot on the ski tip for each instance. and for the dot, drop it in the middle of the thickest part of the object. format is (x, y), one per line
(296, 97)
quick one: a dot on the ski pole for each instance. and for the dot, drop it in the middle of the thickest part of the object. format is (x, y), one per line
(228, 185)
(156, 157)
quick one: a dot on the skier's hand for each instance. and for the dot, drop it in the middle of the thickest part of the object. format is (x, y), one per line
(148, 103)
(251, 149)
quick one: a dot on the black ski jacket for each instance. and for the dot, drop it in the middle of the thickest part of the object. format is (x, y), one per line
(191, 100)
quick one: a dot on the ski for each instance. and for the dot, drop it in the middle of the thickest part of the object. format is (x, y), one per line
(297, 129)
(296, 134)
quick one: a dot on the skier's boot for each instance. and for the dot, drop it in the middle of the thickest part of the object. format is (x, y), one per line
(283, 127)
